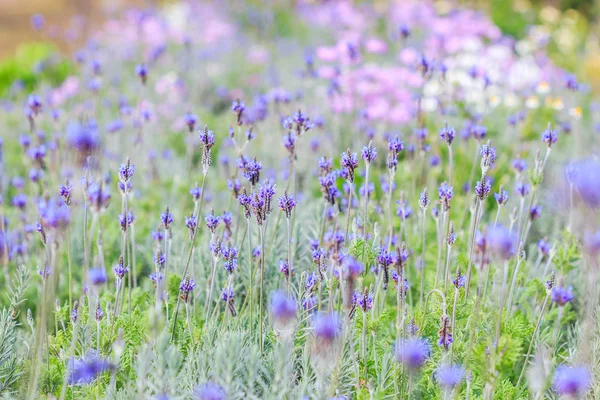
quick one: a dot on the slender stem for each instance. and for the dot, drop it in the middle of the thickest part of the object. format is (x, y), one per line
(262, 280)
(366, 215)
(473, 232)
(424, 217)
(189, 257)
(500, 311)
(533, 336)
(348, 210)
(512, 286)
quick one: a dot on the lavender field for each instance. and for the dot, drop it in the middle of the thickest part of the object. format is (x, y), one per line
(317, 200)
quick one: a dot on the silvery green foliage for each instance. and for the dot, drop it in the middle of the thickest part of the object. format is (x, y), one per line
(10, 367)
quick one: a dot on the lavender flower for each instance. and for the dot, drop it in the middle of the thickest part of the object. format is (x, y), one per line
(369, 153)
(482, 190)
(488, 156)
(210, 391)
(97, 276)
(502, 242)
(522, 189)
(186, 287)
(447, 134)
(207, 138)
(166, 218)
(287, 204)
(549, 136)
(327, 327)
(449, 376)
(282, 308)
(120, 270)
(572, 381)
(190, 120)
(126, 171)
(412, 352)
(535, 212)
(82, 371)
(142, 72)
(562, 295)
(501, 197)
(349, 162)
(445, 193)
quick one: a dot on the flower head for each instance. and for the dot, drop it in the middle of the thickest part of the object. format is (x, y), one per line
(571, 381)
(82, 371)
(449, 376)
(283, 308)
(501, 197)
(562, 295)
(412, 352)
(327, 327)
(447, 134)
(97, 276)
(287, 204)
(210, 391)
(369, 153)
(549, 136)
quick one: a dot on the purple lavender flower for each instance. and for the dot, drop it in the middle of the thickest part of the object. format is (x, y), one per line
(210, 391)
(445, 193)
(287, 204)
(363, 300)
(120, 270)
(126, 171)
(502, 242)
(447, 134)
(519, 165)
(586, 183)
(501, 197)
(44, 272)
(166, 218)
(190, 120)
(412, 352)
(283, 308)
(227, 294)
(535, 212)
(97, 276)
(311, 281)
(369, 153)
(284, 268)
(482, 190)
(207, 138)
(99, 197)
(449, 376)
(186, 286)
(522, 189)
(34, 104)
(229, 254)
(562, 295)
(99, 313)
(349, 162)
(142, 72)
(83, 137)
(571, 381)
(252, 171)
(82, 371)
(549, 136)
(351, 267)
(327, 327)
(309, 302)
(126, 222)
(66, 191)
(544, 246)
(488, 156)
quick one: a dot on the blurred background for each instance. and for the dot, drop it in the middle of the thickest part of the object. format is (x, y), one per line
(33, 33)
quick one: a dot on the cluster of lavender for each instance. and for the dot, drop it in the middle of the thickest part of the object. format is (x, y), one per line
(357, 252)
